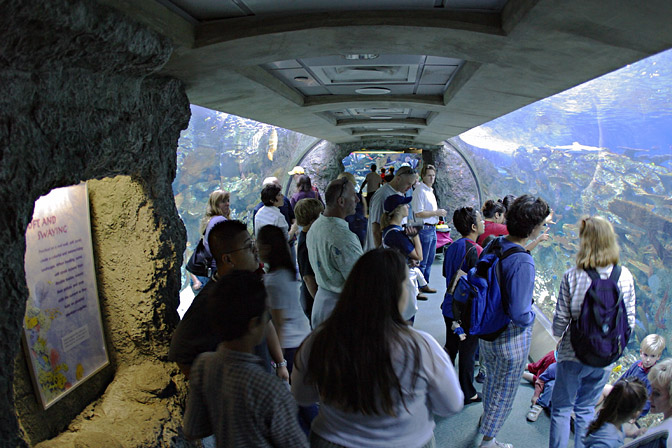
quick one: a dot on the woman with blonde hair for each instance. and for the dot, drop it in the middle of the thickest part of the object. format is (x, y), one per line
(578, 386)
(218, 206)
(660, 377)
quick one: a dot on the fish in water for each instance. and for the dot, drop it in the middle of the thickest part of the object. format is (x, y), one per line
(272, 144)
(659, 317)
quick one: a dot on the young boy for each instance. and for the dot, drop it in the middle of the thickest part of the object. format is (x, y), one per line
(542, 375)
(231, 393)
(650, 350)
(306, 212)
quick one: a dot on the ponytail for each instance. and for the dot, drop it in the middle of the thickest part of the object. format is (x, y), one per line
(626, 399)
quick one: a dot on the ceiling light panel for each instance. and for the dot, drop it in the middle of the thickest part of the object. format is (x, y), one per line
(368, 112)
(365, 74)
(404, 89)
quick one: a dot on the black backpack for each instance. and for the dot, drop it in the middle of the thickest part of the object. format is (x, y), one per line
(199, 262)
(601, 332)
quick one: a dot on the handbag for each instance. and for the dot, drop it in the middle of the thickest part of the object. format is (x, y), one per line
(199, 262)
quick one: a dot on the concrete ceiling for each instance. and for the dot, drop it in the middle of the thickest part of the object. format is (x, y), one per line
(429, 69)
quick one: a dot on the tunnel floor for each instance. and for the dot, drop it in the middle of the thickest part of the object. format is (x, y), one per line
(460, 430)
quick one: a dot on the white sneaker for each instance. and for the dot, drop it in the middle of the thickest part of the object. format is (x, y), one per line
(495, 444)
(533, 413)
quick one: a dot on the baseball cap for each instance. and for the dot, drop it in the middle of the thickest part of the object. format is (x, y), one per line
(297, 170)
(395, 201)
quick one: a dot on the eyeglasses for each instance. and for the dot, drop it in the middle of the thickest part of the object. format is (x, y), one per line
(251, 245)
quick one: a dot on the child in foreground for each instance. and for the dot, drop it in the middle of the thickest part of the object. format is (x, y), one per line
(651, 348)
(231, 393)
(624, 403)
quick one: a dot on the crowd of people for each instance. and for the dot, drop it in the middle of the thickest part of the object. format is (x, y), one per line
(337, 362)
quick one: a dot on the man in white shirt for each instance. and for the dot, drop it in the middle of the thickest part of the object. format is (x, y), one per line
(426, 208)
(402, 182)
(332, 248)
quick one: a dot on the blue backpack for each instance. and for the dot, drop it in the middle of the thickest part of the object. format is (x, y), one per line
(480, 291)
(601, 332)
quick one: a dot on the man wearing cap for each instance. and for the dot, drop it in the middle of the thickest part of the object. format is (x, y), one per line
(297, 172)
(402, 182)
(332, 248)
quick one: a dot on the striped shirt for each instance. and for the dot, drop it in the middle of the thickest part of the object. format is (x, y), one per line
(573, 289)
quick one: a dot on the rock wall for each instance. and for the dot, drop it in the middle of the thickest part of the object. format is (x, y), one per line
(79, 102)
(456, 186)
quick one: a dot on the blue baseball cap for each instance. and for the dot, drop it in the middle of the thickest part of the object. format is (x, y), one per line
(395, 201)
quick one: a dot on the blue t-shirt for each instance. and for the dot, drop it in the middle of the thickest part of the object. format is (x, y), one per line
(637, 371)
(395, 238)
(606, 436)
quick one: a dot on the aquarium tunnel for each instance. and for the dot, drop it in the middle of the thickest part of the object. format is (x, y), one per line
(150, 106)
(602, 148)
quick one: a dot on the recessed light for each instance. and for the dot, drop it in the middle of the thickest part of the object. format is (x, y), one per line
(381, 117)
(386, 129)
(360, 57)
(373, 91)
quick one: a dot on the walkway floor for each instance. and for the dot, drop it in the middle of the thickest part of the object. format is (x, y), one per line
(461, 430)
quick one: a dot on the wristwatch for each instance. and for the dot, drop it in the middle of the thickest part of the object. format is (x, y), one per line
(279, 364)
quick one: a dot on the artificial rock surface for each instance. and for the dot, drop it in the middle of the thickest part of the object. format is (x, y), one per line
(81, 101)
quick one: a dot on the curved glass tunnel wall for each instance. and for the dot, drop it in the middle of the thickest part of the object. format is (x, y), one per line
(603, 148)
(223, 151)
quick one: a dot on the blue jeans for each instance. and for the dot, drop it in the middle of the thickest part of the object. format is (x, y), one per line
(428, 242)
(544, 399)
(577, 387)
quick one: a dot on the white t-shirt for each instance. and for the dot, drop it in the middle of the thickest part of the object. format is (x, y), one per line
(283, 294)
(424, 200)
(437, 391)
(270, 216)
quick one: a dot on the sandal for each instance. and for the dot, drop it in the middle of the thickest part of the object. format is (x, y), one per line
(533, 413)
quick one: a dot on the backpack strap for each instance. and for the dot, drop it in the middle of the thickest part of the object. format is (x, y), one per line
(466, 253)
(382, 238)
(615, 274)
(497, 249)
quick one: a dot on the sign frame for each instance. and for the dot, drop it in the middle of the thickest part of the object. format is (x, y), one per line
(63, 335)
